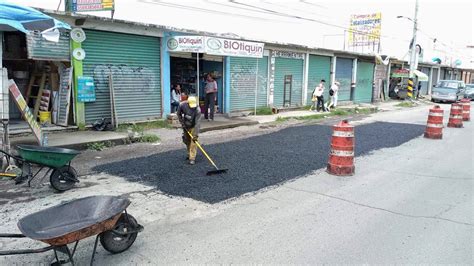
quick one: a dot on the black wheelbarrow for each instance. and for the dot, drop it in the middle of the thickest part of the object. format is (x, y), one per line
(56, 160)
(67, 223)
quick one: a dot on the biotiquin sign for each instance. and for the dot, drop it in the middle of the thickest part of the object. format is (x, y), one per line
(190, 44)
(215, 46)
(218, 46)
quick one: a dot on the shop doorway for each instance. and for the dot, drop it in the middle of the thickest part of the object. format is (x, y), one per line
(37, 80)
(190, 71)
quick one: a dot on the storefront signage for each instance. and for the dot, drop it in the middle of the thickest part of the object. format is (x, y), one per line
(288, 54)
(190, 44)
(90, 5)
(25, 111)
(401, 73)
(215, 46)
(218, 46)
(365, 29)
(85, 89)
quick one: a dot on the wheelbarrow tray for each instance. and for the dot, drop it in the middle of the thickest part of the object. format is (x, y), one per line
(74, 220)
(53, 157)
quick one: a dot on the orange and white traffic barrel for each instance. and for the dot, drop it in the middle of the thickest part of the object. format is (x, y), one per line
(466, 109)
(434, 126)
(455, 116)
(341, 158)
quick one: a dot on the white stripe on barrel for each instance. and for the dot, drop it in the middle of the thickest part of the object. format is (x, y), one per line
(342, 153)
(436, 114)
(343, 134)
(456, 116)
(434, 125)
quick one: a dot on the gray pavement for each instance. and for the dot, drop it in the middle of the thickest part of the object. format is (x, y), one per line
(408, 203)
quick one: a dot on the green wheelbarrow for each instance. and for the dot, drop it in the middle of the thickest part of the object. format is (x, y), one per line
(57, 161)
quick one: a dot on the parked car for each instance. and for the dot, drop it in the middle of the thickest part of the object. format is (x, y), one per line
(448, 91)
(469, 93)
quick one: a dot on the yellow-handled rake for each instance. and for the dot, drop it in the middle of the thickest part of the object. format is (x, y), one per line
(212, 172)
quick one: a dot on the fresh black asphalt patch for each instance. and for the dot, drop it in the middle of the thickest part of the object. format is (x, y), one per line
(253, 163)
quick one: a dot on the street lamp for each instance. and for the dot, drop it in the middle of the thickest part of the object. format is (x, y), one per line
(406, 18)
(413, 50)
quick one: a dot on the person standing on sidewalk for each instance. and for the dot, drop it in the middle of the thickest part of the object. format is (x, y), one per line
(175, 98)
(189, 116)
(318, 93)
(211, 94)
(333, 91)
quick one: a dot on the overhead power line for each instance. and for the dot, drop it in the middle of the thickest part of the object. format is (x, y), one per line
(159, 2)
(312, 20)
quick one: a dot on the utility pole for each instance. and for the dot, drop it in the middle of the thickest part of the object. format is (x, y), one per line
(413, 53)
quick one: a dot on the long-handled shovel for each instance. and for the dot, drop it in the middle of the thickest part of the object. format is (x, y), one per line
(212, 172)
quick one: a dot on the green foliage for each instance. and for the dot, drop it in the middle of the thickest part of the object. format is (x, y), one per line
(406, 104)
(336, 112)
(99, 146)
(264, 111)
(148, 138)
(141, 127)
(340, 112)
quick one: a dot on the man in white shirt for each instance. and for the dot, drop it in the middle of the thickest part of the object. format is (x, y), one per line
(318, 94)
(333, 91)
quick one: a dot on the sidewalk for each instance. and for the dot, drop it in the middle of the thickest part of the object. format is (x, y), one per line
(80, 139)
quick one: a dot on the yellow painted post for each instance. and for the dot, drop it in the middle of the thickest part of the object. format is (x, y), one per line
(79, 106)
(410, 88)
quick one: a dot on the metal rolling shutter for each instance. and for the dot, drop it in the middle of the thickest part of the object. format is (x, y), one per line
(319, 68)
(135, 64)
(365, 79)
(344, 76)
(287, 66)
(242, 83)
(424, 84)
(41, 49)
(434, 78)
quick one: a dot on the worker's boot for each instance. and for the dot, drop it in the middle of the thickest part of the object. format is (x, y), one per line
(192, 162)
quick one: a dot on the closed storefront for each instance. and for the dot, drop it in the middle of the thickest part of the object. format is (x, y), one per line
(434, 77)
(319, 68)
(288, 79)
(248, 83)
(344, 76)
(424, 84)
(128, 67)
(365, 79)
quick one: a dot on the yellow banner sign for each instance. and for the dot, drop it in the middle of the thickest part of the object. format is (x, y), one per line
(365, 29)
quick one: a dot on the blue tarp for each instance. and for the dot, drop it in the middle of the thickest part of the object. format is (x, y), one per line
(15, 17)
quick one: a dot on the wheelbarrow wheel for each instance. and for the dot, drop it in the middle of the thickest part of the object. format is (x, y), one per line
(63, 178)
(117, 243)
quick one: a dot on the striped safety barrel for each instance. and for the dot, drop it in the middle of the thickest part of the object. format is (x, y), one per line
(341, 158)
(434, 126)
(466, 109)
(455, 116)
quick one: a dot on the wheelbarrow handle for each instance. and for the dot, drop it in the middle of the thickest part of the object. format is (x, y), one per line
(12, 235)
(24, 251)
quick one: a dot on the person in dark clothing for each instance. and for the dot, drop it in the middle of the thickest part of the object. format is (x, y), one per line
(189, 116)
(210, 100)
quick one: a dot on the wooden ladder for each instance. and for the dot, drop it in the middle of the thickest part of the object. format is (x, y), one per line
(42, 78)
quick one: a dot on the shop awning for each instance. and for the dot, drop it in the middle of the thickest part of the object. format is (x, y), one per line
(421, 76)
(14, 17)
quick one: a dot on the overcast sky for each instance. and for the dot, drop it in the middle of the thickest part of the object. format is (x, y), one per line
(320, 23)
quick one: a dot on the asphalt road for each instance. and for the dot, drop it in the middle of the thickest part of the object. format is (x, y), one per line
(254, 163)
(410, 201)
(408, 204)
